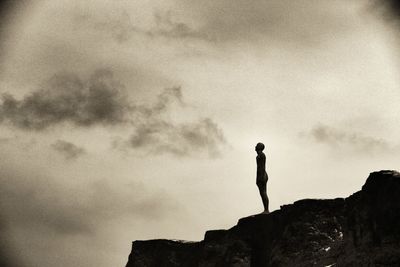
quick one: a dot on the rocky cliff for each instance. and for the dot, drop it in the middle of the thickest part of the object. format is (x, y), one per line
(361, 230)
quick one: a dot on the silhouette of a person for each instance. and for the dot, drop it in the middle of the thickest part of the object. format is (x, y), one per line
(262, 176)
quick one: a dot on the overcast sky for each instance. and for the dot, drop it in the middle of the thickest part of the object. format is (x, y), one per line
(125, 120)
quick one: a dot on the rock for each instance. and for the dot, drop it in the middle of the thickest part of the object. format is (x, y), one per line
(361, 230)
(162, 252)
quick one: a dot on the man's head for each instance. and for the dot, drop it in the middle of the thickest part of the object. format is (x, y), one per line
(260, 147)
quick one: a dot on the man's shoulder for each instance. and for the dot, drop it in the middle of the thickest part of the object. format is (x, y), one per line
(261, 156)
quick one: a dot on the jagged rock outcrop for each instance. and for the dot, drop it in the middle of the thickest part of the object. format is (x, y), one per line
(361, 230)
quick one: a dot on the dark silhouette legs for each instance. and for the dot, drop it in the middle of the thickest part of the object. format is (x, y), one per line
(262, 187)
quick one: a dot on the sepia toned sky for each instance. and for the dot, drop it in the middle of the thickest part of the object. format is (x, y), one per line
(124, 120)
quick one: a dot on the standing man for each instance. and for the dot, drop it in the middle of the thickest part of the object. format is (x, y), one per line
(262, 176)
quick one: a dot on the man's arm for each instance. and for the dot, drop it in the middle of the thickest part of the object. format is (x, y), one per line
(260, 165)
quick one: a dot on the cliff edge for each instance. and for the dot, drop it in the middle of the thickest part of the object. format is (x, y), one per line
(360, 230)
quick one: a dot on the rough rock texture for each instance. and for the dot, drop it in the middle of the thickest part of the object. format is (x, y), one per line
(361, 230)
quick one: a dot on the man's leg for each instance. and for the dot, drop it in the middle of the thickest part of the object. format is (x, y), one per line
(262, 187)
(266, 199)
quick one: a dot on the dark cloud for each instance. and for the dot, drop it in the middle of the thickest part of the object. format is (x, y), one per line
(167, 96)
(159, 134)
(355, 141)
(181, 140)
(100, 101)
(67, 98)
(165, 99)
(69, 150)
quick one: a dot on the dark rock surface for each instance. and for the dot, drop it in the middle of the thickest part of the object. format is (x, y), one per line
(361, 230)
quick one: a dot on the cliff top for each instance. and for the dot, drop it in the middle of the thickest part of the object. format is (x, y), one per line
(360, 230)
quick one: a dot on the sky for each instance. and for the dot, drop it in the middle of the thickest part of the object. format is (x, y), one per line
(129, 120)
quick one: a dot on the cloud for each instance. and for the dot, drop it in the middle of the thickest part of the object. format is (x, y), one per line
(165, 99)
(344, 139)
(121, 28)
(4, 140)
(223, 21)
(67, 98)
(181, 140)
(167, 26)
(158, 134)
(100, 101)
(69, 150)
(302, 21)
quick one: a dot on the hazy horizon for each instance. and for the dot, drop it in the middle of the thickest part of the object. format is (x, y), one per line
(126, 120)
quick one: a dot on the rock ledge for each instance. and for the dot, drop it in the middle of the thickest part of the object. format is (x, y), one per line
(361, 230)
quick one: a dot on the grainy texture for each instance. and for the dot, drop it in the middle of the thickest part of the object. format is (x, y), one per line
(361, 230)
